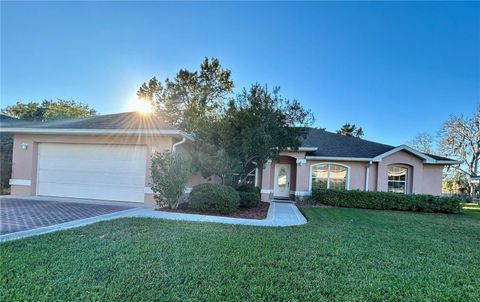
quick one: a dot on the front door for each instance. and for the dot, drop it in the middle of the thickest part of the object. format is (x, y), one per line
(282, 181)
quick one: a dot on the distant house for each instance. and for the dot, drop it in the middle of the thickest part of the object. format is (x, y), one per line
(108, 157)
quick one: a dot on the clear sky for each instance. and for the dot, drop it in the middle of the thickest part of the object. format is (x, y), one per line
(396, 69)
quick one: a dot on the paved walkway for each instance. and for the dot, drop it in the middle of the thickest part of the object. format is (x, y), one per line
(279, 215)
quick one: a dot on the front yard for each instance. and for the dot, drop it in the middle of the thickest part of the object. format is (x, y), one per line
(341, 254)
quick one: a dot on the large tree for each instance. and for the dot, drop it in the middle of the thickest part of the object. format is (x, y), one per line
(48, 110)
(423, 142)
(258, 124)
(192, 98)
(351, 130)
(460, 139)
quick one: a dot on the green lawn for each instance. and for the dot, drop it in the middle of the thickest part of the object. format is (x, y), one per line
(340, 255)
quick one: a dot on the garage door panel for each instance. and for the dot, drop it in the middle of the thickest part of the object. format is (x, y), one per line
(89, 178)
(94, 192)
(113, 172)
(56, 164)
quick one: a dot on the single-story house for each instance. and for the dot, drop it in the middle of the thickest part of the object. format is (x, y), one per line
(108, 157)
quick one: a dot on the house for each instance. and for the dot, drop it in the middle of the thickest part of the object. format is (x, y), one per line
(108, 157)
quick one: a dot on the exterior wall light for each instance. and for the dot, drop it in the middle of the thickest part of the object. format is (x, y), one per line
(24, 146)
(301, 161)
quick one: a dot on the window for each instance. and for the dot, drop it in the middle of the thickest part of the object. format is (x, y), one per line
(329, 176)
(397, 179)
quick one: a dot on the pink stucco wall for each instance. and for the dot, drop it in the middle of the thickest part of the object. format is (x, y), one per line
(422, 178)
(24, 162)
(432, 179)
(403, 158)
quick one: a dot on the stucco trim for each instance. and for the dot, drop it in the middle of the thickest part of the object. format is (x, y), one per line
(449, 162)
(301, 193)
(427, 159)
(20, 182)
(338, 158)
(165, 132)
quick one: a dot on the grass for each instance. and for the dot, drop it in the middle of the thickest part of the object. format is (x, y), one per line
(340, 255)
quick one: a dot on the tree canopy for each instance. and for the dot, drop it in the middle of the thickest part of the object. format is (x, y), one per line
(423, 142)
(48, 110)
(191, 97)
(351, 130)
(248, 129)
(459, 138)
(258, 124)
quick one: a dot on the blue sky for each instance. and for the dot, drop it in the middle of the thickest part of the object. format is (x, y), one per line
(396, 69)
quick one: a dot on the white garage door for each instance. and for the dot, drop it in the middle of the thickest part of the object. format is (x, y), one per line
(111, 172)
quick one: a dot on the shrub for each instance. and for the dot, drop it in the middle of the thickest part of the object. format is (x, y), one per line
(387, 201)
(214, 197)
(249, 195)
(170, 174)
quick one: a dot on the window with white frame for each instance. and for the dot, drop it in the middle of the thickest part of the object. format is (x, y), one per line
(397, 179)
(329, 176)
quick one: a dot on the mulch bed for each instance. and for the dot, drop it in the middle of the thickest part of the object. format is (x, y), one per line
(258, 212)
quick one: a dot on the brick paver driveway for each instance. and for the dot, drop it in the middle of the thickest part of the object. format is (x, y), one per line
(17, 214)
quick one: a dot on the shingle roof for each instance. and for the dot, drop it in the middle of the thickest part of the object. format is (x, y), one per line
(120, 121)
(6, 121)
(328, 144)
(437, 157)
(336, 145)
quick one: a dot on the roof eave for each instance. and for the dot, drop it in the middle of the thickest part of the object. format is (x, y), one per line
(146, 132)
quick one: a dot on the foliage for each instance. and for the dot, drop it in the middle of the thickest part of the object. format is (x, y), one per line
(249, 195)
(211, 161)
(48, 110)
(214, 197)
(455, 182)
(460, 138)
(387, 201)
(423, 142)
(339, 255)
(6, 148)
(351, 130)
(193, 98)
(170, 174)
(258, 125)
(248, 130)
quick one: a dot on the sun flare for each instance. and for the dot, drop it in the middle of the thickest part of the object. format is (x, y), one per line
(141, 105)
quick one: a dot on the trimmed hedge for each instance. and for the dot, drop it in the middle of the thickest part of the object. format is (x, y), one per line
(214, 197)
(249, 196)
(387, 201)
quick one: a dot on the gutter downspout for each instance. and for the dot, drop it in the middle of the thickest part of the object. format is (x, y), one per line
(367, 175)
(174, 147)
